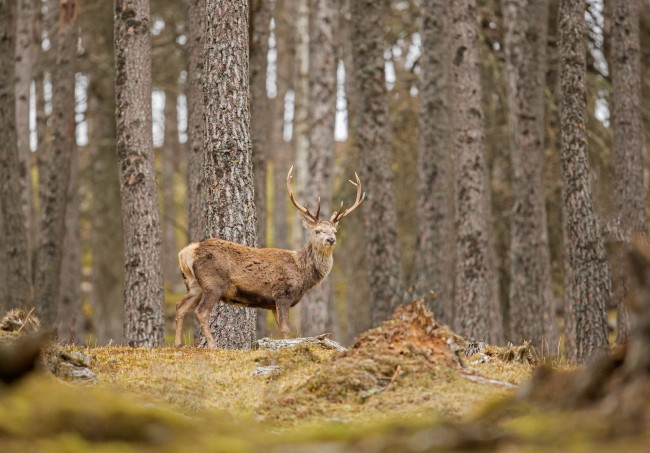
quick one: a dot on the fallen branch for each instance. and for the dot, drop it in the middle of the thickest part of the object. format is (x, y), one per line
(26, 319)
(320, 340)
(484, 380)
(267, 370)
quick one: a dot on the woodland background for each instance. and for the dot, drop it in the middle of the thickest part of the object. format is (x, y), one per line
(321, 99)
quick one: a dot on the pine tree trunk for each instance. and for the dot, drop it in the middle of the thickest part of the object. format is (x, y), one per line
(532, 310)
(260, 22)
(24, 26)
(301, 112)
(15, 241)
(435, 245)
(588, 262)
(380, 218)
(143, 293)
(70, 316)
(300, 129)
(169, 155)
(53, 186)
(478, 313)
(630, 196)
(317, 303)
(355, 269)
(38, 70)
(106, 235)
(194, 20)
(282, 150)
(228, 166)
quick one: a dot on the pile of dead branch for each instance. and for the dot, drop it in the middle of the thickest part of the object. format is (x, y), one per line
(409, 343)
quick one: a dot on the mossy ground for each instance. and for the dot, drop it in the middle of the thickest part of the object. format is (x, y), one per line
(400, 388)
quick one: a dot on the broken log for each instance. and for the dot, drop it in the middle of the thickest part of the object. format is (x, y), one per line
(320, 340)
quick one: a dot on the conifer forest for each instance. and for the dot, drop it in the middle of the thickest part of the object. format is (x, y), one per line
(324, 225)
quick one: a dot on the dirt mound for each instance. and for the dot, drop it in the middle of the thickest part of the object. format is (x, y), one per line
(411, 331)
(409, 343)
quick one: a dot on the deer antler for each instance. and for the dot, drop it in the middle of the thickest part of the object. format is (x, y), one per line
(304, 209)
(338, 215)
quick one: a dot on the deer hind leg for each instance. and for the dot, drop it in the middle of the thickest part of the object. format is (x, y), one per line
(281, 313)
(202, 313)
(188, 302)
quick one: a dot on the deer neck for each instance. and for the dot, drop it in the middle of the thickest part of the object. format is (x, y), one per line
(316, 263)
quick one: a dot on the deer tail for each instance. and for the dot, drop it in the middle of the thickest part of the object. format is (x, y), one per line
(186, 262)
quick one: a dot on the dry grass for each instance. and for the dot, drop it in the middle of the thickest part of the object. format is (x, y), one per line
(400, 388)
(403, 369)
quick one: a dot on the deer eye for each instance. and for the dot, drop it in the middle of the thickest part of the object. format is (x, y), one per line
(318, 231)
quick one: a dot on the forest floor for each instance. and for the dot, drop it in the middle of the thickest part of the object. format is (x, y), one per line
(406, 386)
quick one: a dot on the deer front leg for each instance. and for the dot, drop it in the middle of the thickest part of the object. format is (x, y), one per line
(275, 316)
(189, 301)
(282, 318)
(202, 314)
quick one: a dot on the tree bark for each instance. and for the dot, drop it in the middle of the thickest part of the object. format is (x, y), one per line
(106, 235)
(18, 278)
(589, 269)
(532, 310)
(317, 303)
(70, 317)
(630, 196)
(478, 313)
(169, 157)
(434, 255)
(300, 128)
(143, 292)
(380, 219)
(282, 149)
(24, 31)
(259, 32)
(260, 21)
(53, 186)
(228, 167)
(194, 18)
(354, 269)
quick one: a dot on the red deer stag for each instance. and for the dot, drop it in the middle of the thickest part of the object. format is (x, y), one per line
(268, 278)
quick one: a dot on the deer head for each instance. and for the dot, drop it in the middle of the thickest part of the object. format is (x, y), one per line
(323, 232)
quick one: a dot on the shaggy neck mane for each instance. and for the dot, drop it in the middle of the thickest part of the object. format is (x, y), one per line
(319, 261)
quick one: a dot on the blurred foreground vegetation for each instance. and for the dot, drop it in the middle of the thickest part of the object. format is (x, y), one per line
(406, 386)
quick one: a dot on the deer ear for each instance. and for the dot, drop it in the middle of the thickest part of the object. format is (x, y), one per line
(306, 221)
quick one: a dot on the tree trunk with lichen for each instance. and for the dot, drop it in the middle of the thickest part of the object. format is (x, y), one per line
(106, 234)
(282, 149)
(194, 92)
(478, 313)
(317, 303)
(69, 314)
(532, 310)
(53, 185)
(259, 32)
(228, 167)
(588, 263)
(434, 279)
(169, 156)
(24, 63)
(143, 288)
(383, 256)
(16, 257)
(630, 196)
